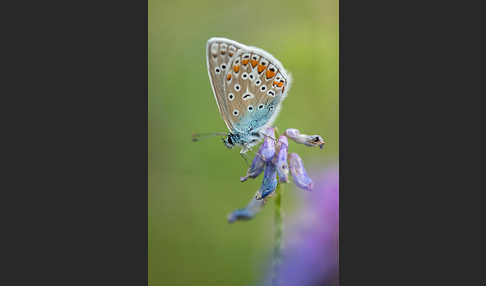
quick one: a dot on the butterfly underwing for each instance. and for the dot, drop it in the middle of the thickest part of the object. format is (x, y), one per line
(249, 85)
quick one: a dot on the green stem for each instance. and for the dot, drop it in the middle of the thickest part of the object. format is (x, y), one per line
(277, 248)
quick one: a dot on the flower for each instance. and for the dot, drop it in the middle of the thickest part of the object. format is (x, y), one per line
(301, 179)
(267, 150)
(256, 168)
(271, 159)
(248, 212)
(280, 159)
(269, 183)
(311, 246)
(308, 140)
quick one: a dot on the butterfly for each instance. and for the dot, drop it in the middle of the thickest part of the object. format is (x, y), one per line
(249, 85)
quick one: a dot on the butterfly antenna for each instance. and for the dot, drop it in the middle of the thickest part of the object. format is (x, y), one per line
(199, 136)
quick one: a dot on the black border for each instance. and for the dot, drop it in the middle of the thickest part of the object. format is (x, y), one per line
(77, 181)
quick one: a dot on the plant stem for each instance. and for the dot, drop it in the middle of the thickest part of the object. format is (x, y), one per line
(278, 225)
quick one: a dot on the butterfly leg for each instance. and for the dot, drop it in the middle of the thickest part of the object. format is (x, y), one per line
(246, 159)
(265, 135)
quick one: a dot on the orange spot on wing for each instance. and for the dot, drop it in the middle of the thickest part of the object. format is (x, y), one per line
(253, 63)
(245, 62)
(236, 68)
(228, 77)
(230, 54)
(280, 84)
(261, 68)
(270, 74)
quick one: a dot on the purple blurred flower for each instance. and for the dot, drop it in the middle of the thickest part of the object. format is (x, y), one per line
(301, 179)
(311, 246)
(280, 159)
(308, 140)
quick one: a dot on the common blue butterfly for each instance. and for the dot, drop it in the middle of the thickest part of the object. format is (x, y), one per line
(249, 85)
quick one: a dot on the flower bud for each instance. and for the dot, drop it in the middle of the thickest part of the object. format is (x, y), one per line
(269, 183)
(255, 169)
(280, 160)
(301, 179)
(248, 212)
(267, 149)
(308, 140)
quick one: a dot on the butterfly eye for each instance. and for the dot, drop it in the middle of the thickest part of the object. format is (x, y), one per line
(263, 88)
(258, 82)
(231, 96)
(236, 112)
(237, 87)
(260, 106)
(250, 108)
(244, 75)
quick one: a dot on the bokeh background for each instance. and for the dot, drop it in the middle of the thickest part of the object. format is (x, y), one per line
(193, 186)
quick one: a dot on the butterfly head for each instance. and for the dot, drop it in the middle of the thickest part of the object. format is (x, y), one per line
(229, 141)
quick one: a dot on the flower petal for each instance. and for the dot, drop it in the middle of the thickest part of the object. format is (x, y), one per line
(269, 183)
(280, 160)
(248, 212)
(256, 168)
(267, 149)
(307, 140)
(301, 179)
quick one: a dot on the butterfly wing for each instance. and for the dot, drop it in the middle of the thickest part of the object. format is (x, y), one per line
(255, 85)
(219, 53)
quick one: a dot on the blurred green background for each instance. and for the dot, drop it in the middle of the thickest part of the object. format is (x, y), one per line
(194, 186)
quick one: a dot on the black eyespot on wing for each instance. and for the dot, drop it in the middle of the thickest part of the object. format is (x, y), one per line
(250, 108)
(223, 66)
(263, 88)
(246, 96)
(260, 106)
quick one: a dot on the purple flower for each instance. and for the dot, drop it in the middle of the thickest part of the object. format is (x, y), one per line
(308, 140)
(256, 168)
(269, 183)
(301, 179)
(248, 212)
(280, 159)
(267, 150)
(311, 245)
